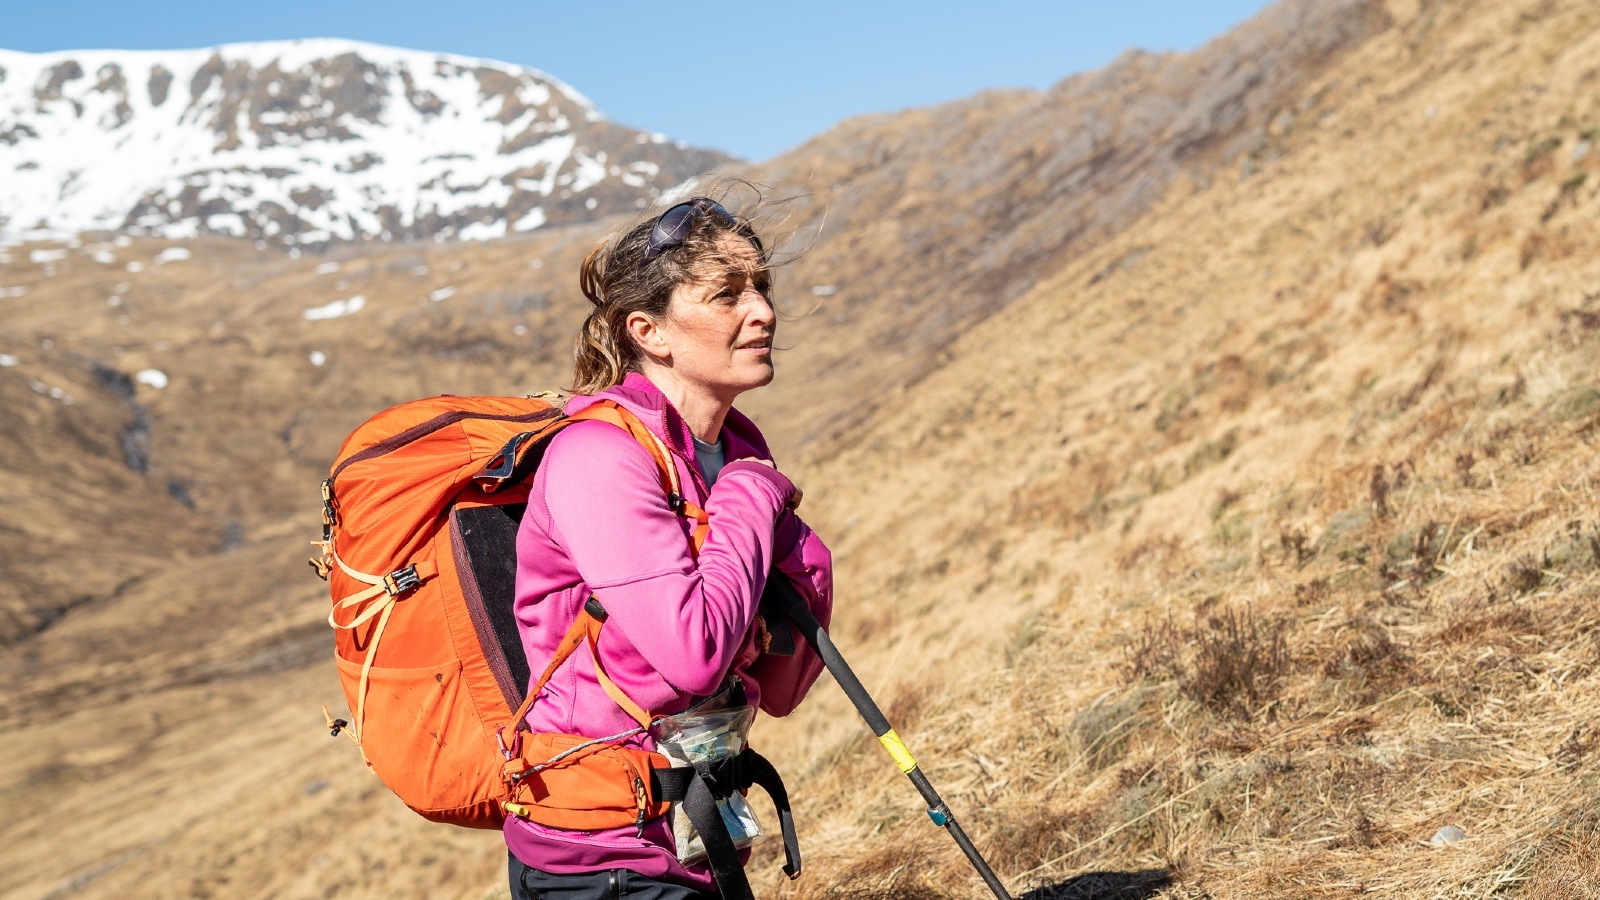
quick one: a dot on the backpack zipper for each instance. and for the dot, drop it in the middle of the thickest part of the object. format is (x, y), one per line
(392, 442)
(641, 797)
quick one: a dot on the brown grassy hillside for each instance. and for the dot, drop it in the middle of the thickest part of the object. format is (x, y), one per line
(1252, 542)
(937, 218)
(1268, 545)
(929, 221)
(932, 220)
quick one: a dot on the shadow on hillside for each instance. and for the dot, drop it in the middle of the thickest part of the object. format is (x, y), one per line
(1105, 886)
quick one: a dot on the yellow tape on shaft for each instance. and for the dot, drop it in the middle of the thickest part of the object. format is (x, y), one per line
(897, 751)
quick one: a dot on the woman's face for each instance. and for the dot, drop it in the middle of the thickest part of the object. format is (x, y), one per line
(719, 325)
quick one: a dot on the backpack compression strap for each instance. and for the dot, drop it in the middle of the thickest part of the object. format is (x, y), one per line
(377, 599)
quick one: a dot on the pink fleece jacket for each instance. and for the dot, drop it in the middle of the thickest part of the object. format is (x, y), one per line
(598, 524)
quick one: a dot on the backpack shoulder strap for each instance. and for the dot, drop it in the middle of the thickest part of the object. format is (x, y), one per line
(666, 470)
(585, 629)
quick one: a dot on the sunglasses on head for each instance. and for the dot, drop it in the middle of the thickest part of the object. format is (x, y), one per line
(672, 227)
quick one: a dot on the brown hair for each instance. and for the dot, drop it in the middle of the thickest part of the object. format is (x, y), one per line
(614, 281)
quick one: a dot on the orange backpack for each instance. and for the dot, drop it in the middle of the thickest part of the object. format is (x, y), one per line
(419, 528)
(420, 518)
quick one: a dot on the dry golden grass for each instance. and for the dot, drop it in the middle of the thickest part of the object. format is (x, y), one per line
(1280, 543)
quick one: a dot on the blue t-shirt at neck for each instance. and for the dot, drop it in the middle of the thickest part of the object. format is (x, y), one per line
(711, 458)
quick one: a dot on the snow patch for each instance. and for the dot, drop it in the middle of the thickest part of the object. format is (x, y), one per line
(153, 377)
(640, 174)
(677, 193)
(171, 254)
(47, 256)
(327, 268)
(483, 231)
(318, 358)
(7, 360)
(531, 220)
(444, 293)
(336, 309)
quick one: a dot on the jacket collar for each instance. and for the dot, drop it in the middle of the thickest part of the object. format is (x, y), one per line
(639, 395)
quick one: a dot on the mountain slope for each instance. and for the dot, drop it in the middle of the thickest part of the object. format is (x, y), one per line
(915, 207)
(1268, 547)
(300, 143)
(937, 218)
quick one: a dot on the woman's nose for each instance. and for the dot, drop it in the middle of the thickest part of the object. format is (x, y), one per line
(761, 311)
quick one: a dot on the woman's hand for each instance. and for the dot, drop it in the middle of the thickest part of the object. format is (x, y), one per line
(794, 502)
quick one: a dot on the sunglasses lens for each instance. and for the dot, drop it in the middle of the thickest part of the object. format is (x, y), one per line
(674, 225)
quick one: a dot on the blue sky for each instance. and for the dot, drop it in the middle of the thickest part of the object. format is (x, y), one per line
(751, 79)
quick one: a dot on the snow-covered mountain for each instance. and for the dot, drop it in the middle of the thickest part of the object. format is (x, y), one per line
(307, 142)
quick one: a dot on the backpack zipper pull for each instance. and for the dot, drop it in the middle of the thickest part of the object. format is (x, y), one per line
(640, 797)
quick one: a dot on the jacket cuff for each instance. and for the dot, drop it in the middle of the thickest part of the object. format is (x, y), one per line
(777, 479)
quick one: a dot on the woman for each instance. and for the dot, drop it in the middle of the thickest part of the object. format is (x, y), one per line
(682, 325)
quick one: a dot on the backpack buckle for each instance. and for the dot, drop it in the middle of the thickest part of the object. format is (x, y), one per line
(725, 776)
(330, 515)
(510, 752)
(503, 467)
(397, 583)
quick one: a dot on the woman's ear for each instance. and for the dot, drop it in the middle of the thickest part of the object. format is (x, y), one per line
(647, 335)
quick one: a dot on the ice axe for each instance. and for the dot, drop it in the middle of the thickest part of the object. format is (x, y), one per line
(781, 601)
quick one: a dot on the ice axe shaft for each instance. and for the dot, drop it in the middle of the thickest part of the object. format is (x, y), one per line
(794, 608)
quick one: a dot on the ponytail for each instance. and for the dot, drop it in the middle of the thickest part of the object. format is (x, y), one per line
(600, 357)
